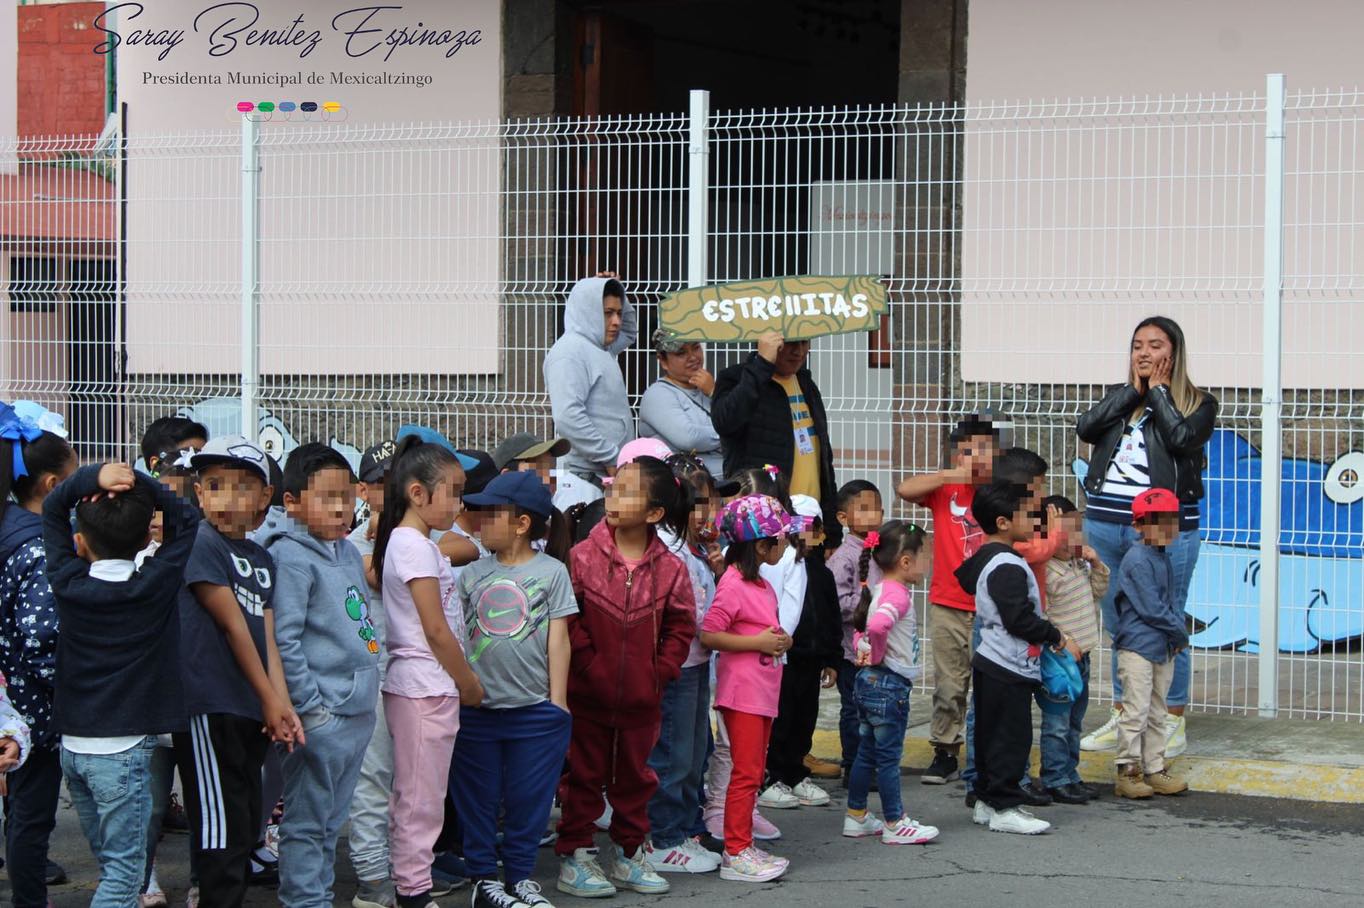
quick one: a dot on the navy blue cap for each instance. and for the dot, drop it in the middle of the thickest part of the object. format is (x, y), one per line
(522, 489)
(432, 437)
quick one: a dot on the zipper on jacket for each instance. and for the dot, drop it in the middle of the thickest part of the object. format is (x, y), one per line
(624, 643)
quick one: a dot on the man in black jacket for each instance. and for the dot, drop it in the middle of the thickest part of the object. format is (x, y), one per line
(768, 410)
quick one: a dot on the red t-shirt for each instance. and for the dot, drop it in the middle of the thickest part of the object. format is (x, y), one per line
(956, 537)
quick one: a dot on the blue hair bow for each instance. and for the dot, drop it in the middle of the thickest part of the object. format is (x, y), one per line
(20, 432)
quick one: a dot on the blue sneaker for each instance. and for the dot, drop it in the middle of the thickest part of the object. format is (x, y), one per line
(448, 873)
(582, 876)
(635, 873)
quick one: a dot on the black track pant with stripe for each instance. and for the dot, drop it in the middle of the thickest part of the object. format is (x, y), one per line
(220, 767)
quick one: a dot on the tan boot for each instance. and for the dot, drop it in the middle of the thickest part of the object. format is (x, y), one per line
(1163, 783)
(822, 769)
(1130, 784)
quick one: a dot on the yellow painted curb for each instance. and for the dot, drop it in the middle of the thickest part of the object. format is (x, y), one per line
(1222, 775)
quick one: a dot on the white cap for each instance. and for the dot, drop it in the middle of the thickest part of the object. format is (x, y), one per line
(233, 449)
(805, 506)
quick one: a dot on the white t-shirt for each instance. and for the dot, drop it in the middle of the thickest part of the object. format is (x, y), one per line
(413, 670)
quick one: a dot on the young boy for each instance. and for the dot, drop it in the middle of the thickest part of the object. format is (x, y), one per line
(233, 679)
(330, 654)
(526, 451)
(956, 537)
(118, 683)
(1006, 668)
(166, 437)
(860, 512)
(1076, 580)
(369, 805)
(1149, 633)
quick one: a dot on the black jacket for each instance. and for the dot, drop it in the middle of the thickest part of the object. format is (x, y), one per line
(118, 653)
(1174, 451)
(818, 640)
(751, 413)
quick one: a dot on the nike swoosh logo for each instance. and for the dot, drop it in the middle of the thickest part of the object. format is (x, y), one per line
(499, 612)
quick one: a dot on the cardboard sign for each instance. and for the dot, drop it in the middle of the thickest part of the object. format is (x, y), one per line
(799, 308)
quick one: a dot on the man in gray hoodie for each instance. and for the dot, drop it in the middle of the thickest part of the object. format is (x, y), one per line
(586, 389)
(330, 653)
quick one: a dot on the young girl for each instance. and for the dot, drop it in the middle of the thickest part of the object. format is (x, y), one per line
(742, 626)
(32, 463)
(511, 748)
(680, 754)
(887, 647)
(428, 676)
(634, 630)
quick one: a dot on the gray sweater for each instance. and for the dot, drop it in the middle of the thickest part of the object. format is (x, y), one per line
(326, 639)
(680, 418)
(1148, 622)
(586, 389)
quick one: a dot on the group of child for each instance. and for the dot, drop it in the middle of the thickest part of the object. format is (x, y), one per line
(452, 649)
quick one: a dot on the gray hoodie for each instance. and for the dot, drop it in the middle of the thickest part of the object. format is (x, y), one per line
(327, 642)
(586, 389)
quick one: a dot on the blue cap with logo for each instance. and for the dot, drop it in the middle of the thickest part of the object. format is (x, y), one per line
(432, 437)
(522, 489)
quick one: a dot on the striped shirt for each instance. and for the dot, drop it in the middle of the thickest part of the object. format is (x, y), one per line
(1073, 591)
(1129, 474)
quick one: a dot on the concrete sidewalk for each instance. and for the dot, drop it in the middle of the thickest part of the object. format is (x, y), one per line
(1301, 759)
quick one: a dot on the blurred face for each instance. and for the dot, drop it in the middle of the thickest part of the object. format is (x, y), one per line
(702, 523)
(791, 357)
(1073, 526)
(812, 536)
(233, 499)
(611, 308)
(543, 466)
(439, 505)
(977, 455)
(1021, 527)
(681, 366)
(499, 527)
(864, 513)
(326, 506)
(180, 485)
(627, 502)
(372, 494)
(771, 550)
(913, 567)
(1161, 529)
(1149, 346)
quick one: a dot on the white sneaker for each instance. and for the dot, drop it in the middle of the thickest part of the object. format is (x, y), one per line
(908, 832)
(752, 866)
(854, 828)
(1105, 737)
(1176, 737)
(810, 794)
(982, 814)
(778, 797)
(1018, 821)
(687, 857)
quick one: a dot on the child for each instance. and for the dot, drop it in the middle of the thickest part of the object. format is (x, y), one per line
(31, 466)
(887, 647)
(1077, 580)
(369, 804)
(956, 537)
(462, 544)
(1149, 634)
(634, 629)
(330, 654)
(525, 451)
(233, 680)
(119, 685)
(1005, 669)
(860, 512)
(679, 756)
(428, 676)
(742, 625)
(166, 438)
(511, 748)
(816, 633)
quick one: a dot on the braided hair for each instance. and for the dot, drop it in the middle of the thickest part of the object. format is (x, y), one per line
(894, 539)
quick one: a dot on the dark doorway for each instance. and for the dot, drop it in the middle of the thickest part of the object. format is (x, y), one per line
(93, 347)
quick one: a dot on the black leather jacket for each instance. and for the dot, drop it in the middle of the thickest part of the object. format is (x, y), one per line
(1174, 451)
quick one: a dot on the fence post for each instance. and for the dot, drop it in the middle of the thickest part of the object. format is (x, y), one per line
(250, 327)
(698, 187)
(1271, 398)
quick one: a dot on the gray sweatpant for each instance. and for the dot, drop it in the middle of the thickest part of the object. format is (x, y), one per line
(369, 806)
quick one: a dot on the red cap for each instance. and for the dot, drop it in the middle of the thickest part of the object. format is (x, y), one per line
(1155, 501)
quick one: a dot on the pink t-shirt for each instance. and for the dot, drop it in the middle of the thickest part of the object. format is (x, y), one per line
(747, 682)
(412, 668)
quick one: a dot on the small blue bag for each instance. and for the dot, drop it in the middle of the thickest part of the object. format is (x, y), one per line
(1061, 681)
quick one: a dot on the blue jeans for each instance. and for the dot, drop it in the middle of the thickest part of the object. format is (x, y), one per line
(883, 701)
(1061, 734)
(968, 771)
(848, 719)
(1111, 541)
(679, 756)
(112, 794)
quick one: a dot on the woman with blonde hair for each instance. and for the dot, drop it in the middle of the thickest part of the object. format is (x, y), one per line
(1147, 433)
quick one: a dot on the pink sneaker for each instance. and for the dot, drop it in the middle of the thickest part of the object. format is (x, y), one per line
(715, 823)
(763, 830)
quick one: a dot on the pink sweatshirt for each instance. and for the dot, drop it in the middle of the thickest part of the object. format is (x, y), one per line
(748, 682)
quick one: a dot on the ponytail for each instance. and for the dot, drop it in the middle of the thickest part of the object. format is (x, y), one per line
(413, 461)
(666, 491)
(46, 453)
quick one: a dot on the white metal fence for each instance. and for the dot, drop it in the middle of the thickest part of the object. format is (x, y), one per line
(418, 273)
